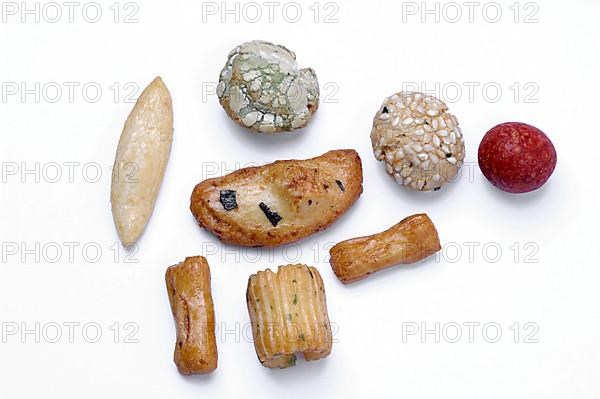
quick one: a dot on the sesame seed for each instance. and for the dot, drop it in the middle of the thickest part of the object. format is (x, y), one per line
(452, 138)
(416, 138)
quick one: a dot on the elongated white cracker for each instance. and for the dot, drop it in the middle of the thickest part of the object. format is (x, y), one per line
(141, 159)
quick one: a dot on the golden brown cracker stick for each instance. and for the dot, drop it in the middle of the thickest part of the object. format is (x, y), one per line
(188, 285)
(409, 241)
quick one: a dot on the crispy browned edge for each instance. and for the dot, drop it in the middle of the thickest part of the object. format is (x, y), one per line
(286, 359)
(271, 237)
(351, 263)
(195, 348)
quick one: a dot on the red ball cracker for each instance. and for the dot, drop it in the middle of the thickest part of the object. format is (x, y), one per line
(517, 157)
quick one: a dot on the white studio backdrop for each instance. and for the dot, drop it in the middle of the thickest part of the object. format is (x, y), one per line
(508, 308)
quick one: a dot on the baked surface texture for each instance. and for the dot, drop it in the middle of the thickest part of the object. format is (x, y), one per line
(188, 285)
(281, 202)
(413, 239)
(288, 312)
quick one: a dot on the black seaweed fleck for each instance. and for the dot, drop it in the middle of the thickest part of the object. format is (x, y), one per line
(340, 185)
(385, 110)
(228, 199)
(448, 155)
(309, 202)
(273, 217)
(437, 189)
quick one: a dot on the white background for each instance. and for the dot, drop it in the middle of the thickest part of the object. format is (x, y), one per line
(369, 53)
